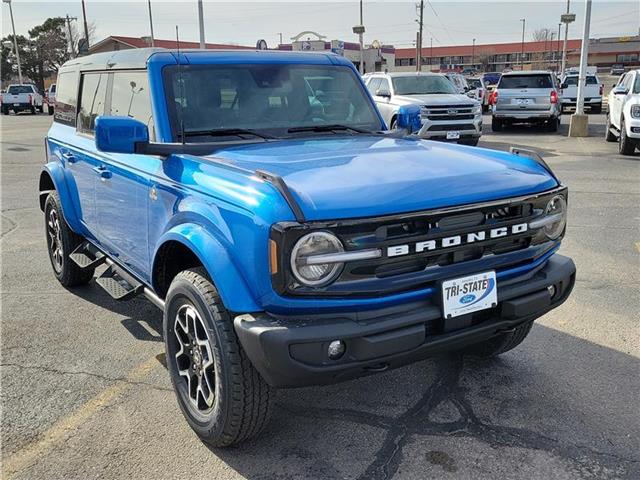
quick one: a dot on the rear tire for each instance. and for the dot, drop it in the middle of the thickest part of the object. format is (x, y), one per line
(625, 144)
(50, 110)
(473, 142)
(61, 241)
(552, 125)
(496, 125)
(33, 110)
(222, 396)
(500, 343)
(596, 109)
(608, 135)
(5, 110)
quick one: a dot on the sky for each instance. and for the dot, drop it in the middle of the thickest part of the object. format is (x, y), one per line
(448, 22)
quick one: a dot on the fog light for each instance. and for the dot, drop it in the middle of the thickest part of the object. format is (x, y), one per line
(336, 349)
(552, 291)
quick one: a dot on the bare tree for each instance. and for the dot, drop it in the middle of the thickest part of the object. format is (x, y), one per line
(77, 33)
(542, 35)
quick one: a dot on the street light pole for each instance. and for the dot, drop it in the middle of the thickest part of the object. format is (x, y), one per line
(86, 27)
(564, 47)
(522, 45)
(153, 41)
(473, 54)
(361, 38)
(584, 54)
(558, 47)
(419, 46)
(15, 41)
(201, 22)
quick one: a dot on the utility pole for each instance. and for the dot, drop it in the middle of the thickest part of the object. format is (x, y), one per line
(201, 23)
(86, 27)
(558, 49)
(359, 30)
(419, 45)
(473, 54)
(566, 19)
(153, 41)
(73, 47)
(522, 46)
(431, 54)
(15, 41)
(579, 125)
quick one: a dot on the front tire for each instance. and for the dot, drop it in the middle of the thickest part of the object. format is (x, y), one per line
(61, 241)
(222, 396)
(496, 125)
(608, 135)
(472, 142)
(500, 343)
(625, 144)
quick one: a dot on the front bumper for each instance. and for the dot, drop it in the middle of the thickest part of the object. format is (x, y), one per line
(291, 351)
(633, 127)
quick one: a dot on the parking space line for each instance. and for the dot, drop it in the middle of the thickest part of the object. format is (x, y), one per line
(638, 246)
(64, 427)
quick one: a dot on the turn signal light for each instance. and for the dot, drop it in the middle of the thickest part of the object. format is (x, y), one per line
(273, 257)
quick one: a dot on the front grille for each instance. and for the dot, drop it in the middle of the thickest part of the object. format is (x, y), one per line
(447, 113)
(423, 268)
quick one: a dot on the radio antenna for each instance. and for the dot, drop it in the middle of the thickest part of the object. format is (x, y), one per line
(181, 79)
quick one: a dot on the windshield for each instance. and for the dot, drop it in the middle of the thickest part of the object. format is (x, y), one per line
(573, 81)
(525, 81)
(422, 85)
(474, 82)
(18, 89)
(492, 78)
(266, 99)
(636, 85)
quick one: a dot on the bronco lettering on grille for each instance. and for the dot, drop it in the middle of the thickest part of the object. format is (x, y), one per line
(429, 245)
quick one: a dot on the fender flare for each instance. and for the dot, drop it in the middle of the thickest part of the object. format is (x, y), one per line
(56, 175)
(215, 258)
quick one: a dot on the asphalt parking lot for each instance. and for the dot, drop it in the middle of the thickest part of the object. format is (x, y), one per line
(85, 394)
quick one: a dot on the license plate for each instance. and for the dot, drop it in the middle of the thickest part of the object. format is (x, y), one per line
(469, 294)
(523, 101)
(16, 104)
(453, 135)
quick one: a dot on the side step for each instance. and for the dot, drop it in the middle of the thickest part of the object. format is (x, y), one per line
(87, 256)
(614, 131)
(118, 283)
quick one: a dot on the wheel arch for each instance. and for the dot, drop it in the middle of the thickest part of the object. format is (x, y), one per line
(189, 245)
(52, 178)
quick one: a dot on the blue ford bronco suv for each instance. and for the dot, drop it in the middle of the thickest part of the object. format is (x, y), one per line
(290, 239)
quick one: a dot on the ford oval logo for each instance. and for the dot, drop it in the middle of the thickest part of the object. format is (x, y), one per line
(468, 298)
(452, 112)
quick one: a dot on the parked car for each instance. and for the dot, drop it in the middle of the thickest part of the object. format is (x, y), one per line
(623, 115)
(617, 69)
(20, 98)
(289, 239)
(478, 92)
(491, 79)
(446, 114)
(527, 96)
(50, 98)
(458, 81)
(592, 95)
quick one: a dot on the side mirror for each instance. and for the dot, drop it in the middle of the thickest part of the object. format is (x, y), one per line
(620, 90)
(563, 86)
(383, 92)
(120, 134)
(409, 118)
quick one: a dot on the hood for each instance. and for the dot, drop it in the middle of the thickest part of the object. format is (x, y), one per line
(364, 176)
(435, 99)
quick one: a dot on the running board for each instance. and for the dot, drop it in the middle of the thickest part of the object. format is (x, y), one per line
(86, 256)
(118, 283)
(613, 131)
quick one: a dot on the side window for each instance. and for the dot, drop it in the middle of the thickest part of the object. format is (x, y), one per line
(374, 84)
(66, 98)
(92, 100)
(130, 96)
(622, 79)
(384, 85)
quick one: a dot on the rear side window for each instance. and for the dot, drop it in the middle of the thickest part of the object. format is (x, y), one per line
(92, 100)
(130, 97)
(374, 85)
(66, 98)
(525, 81)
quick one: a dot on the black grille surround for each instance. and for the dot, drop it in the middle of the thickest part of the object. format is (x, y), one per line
(395, 274)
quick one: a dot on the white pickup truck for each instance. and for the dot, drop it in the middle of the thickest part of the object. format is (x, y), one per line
(592, 93)
(22, 97)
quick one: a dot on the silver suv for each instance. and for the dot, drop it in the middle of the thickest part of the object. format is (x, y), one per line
(445, 113)
(532, 97)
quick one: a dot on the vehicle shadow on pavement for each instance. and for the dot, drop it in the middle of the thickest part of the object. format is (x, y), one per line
(536, 412)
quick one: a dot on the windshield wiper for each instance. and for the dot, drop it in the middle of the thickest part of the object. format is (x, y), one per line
(223, 132)
(327, 128)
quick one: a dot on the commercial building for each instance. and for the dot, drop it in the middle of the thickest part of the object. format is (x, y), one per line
(114, 43)
(603, 53)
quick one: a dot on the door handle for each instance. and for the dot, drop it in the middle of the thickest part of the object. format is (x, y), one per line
(102, 171)
(69, 157)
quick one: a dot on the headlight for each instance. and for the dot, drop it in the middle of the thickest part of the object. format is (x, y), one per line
(635, 111)
(315, 274)
(477, 109)
(555, 217)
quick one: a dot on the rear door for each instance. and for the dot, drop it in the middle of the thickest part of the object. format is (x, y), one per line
(525, 92)
(123, 182)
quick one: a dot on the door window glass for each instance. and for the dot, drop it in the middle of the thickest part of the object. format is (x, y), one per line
(92, 100)
(66, 98)
(130, 96)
